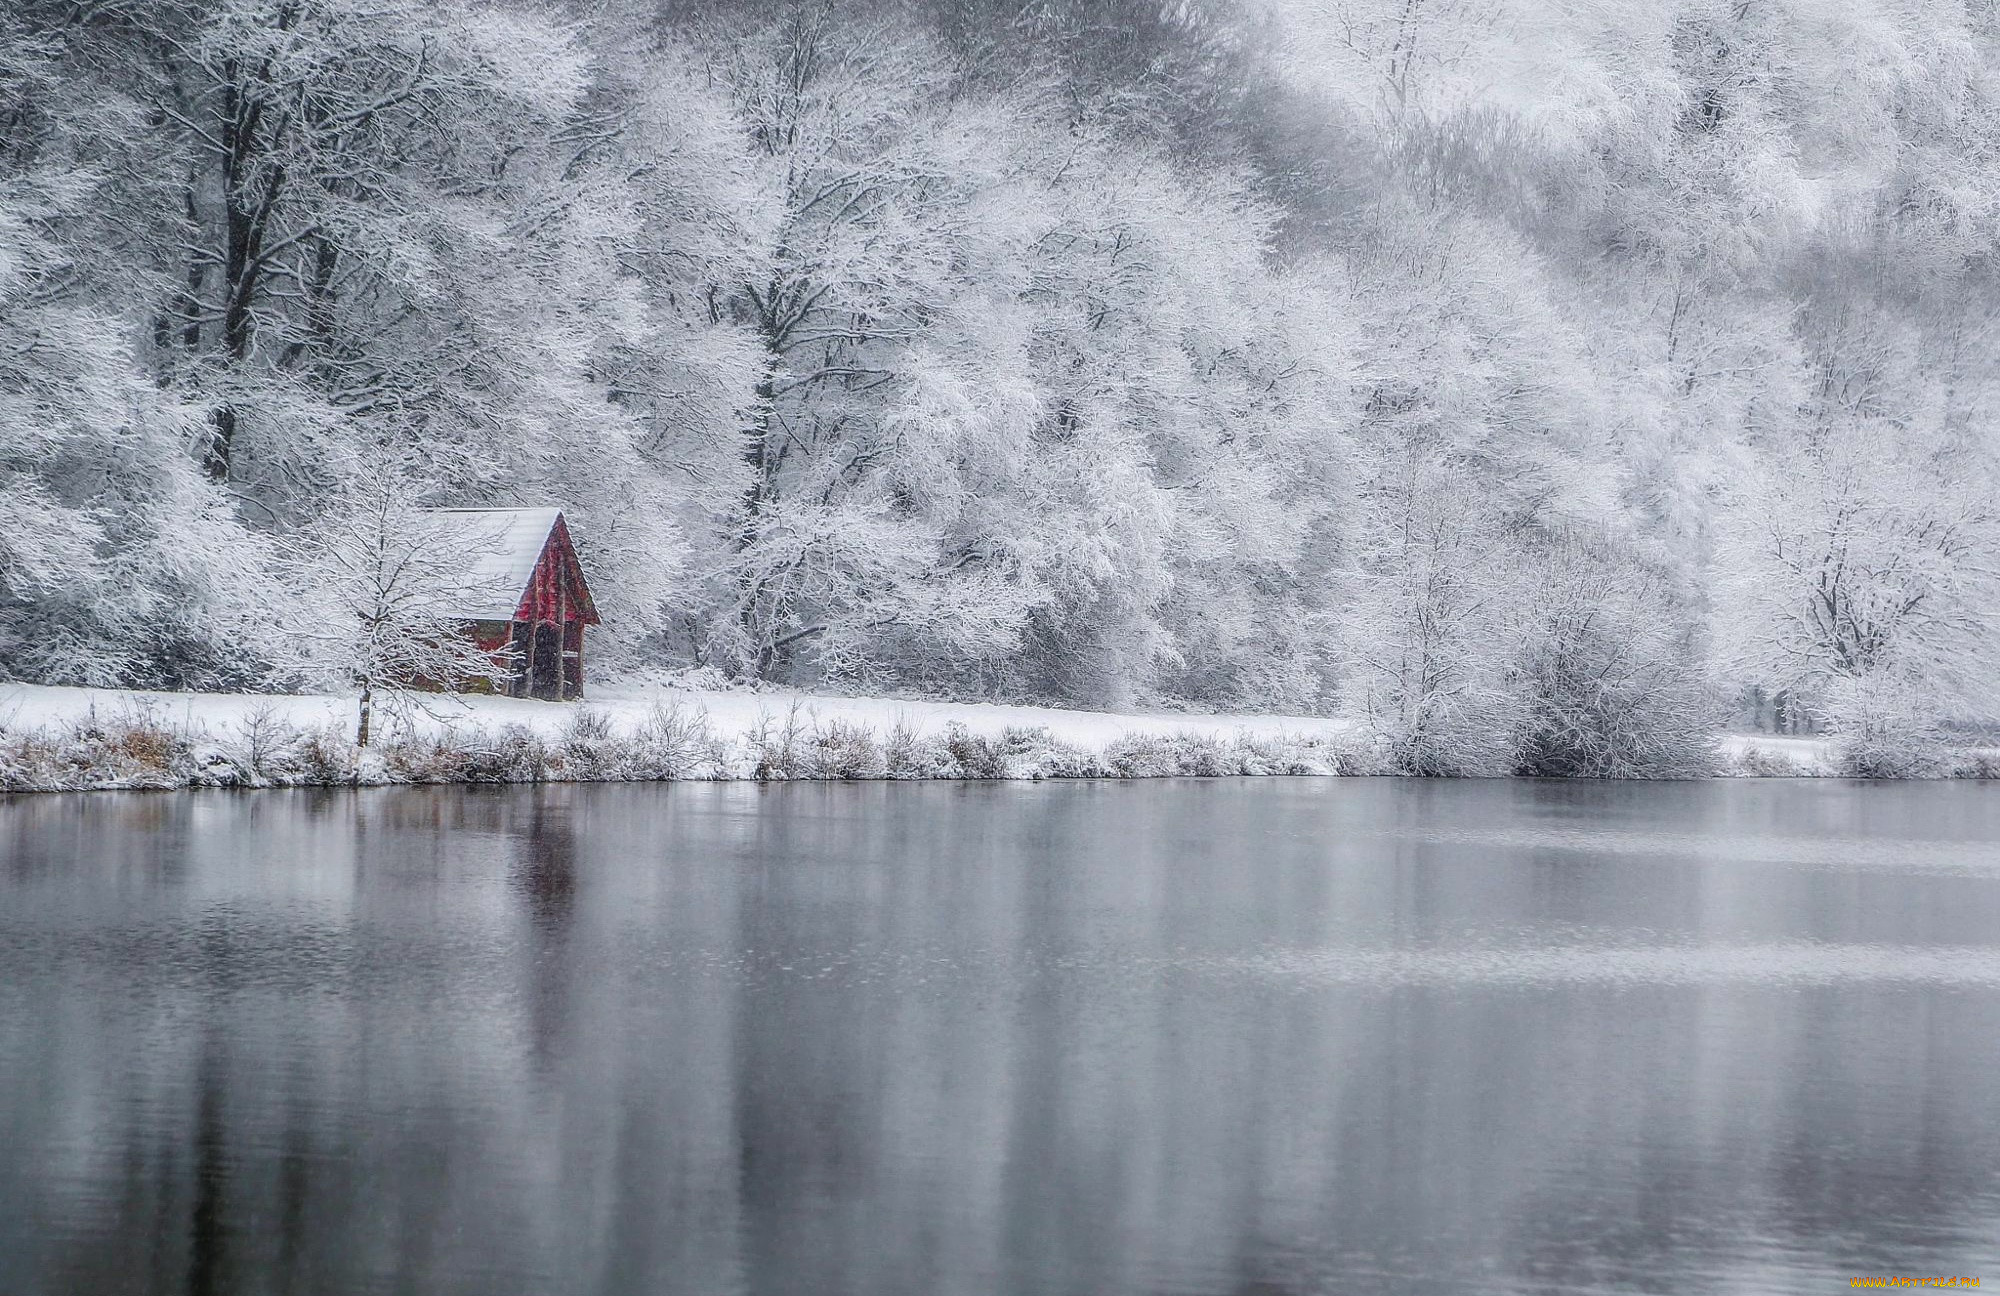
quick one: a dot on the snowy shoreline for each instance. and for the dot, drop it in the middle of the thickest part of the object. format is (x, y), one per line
(73, 739)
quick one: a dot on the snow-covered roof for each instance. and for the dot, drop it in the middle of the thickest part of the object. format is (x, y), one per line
(500, 547)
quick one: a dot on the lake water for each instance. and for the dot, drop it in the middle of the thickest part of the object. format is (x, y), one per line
(1279, 1036)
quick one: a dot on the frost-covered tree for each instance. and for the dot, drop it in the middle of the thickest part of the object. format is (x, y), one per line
(1190, 440)
(1860, 562)
(118, 563)
(1404, 59)
(1479, 434)
(434, 223)
(359, 218)
(383, 585)
(873, 379)
(1611, 674)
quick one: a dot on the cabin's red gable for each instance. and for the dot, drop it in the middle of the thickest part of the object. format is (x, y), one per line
(556, 591)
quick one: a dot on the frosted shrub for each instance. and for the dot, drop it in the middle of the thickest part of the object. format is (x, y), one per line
(1033, 752)
(1860, 568)
(587, 724)
(26, 762)
(1764, 762)
(1138, 757)
(264, 749)
(976, 756)
(429, 760)
(143, 752)
(1983, 763)
(1453, 736)
(907, 754)
(843, 750)
(1204, 756)
(777, 747)
(131, 749)
(1610, 683)
(327, 756)
(672, 743)
(1168, 755)
(1889, 754)
(588, 750)
(1426, 644)
(1355, 760)
(1284, 755)
(514, 754)
(1446, 742)
(1886, 728)
(520, 755)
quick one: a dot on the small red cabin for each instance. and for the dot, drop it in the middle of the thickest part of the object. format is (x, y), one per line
(530, 596)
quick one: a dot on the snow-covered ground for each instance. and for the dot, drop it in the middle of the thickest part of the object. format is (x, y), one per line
(77, 739)
(1770, 753)
(730, 714)
(35, 706)
(53, 737)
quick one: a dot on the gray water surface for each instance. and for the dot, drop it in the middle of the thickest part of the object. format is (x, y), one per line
(1278, 1036)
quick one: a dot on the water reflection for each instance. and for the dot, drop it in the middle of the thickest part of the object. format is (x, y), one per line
(1213, 1037)
(544, 876)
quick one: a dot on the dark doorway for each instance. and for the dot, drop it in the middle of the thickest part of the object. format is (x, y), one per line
(572, 660)
(521, 643)
(545, 680)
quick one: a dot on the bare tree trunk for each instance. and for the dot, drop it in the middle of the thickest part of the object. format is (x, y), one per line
(247, 212)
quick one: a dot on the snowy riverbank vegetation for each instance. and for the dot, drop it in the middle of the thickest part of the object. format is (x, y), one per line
(1539, 389)
(79, 740)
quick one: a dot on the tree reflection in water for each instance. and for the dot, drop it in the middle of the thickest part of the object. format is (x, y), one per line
(1206, 1037)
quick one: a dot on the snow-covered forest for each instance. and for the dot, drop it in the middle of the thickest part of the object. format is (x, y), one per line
(1542, 387)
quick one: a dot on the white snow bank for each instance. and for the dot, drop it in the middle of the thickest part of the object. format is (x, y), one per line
(71, 738)
(36, 706)
(75, 739)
